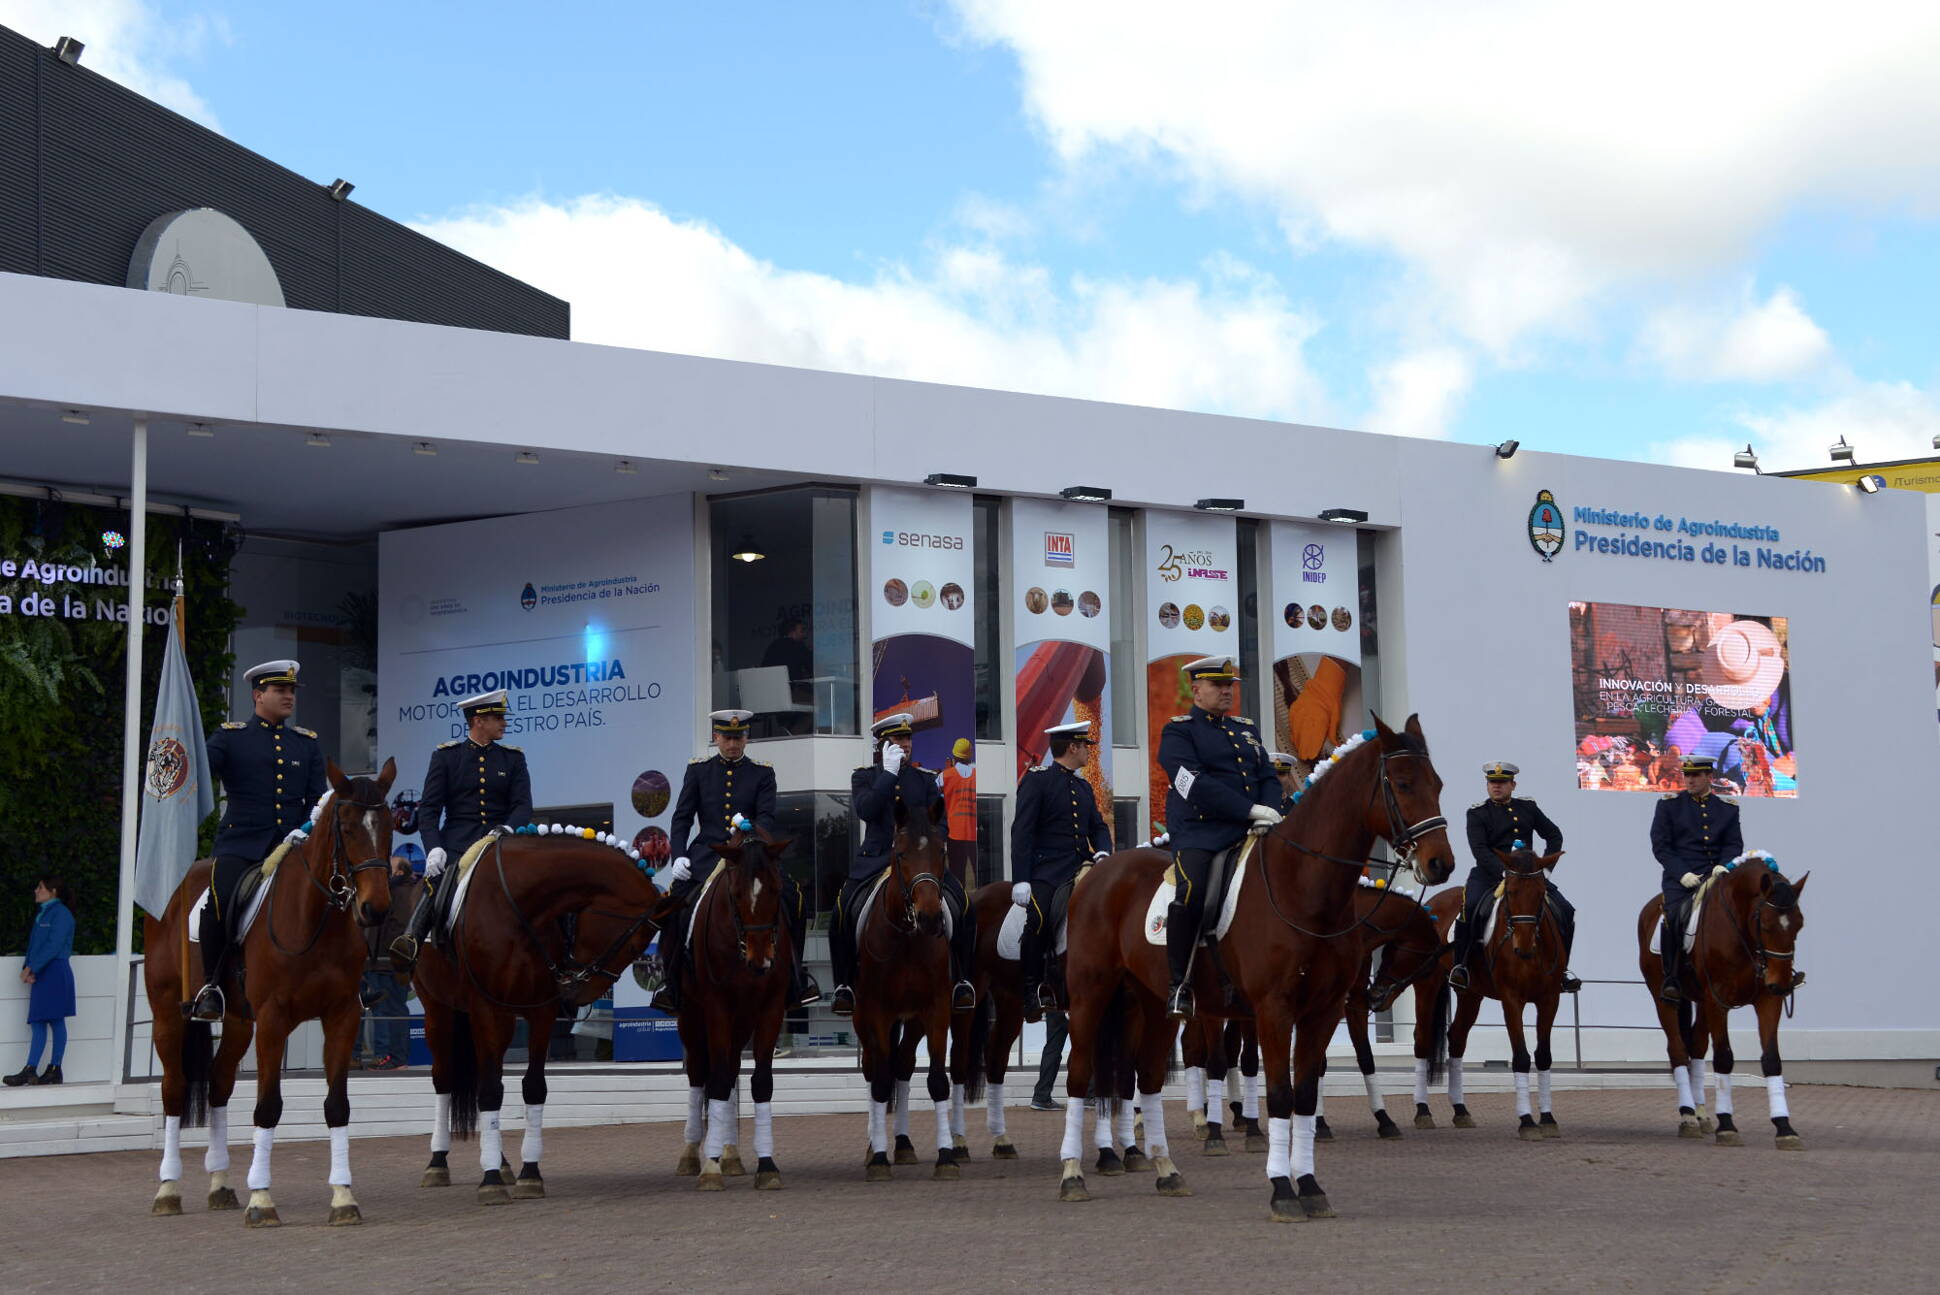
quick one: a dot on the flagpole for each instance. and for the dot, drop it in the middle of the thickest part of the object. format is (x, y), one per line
(131, 762)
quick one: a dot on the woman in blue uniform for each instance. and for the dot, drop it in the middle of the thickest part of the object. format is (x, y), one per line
(47, 970)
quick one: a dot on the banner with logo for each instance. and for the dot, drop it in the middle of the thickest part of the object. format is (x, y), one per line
(924, 616)
(1316, 618)
(1191, 608)
(585, 616)
(1060, 579)
(176, 793)
(1653, 685)
(1933, 575)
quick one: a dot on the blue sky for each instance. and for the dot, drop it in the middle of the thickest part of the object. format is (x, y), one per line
(1488, 221)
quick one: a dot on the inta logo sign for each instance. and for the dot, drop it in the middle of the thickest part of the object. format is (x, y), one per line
(1060, 549)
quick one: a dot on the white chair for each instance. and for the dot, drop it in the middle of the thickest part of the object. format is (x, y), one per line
(765, 690)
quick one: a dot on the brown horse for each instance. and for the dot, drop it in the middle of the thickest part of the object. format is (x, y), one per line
(1747, 937)
(303, 960)
(903, 991)
(1290, 956)
(504, 961)
(1520, 962)
(735, 998)
(1411, 952)
(1209, 1048)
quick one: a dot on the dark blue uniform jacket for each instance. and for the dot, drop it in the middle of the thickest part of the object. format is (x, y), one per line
(1056, 828)
(1218, 771)
(272, 774)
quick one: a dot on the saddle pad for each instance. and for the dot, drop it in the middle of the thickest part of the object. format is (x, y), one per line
(869, 907)
(1162, 897)
(249, 914)
(467, 869)
(694, 908)
(1690, 927)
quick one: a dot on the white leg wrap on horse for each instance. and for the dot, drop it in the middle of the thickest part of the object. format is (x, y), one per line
(171, 1148)
(1215, 1100)
(1681, 1075)
(993, 1106)
(441, 1125)
(491, 1142)
(1279, 1138)
(720, 1121)
(1073, 1146)
(1101, 1130)
(902, 1108)
(1775, 1094)
(1421, 1081)
(1375, 1101)
(1127, 1118)
(1249, 1100)
(1320, 1100)
(216, 1159)
(1542, 1092)
(696, 1127)
(764, 1129)
(1303, 1145)
(956, 1111)
(878, 1125)
(1455, 1081)
(1522, 1093)
(1724, 1093)
(259, 1162)
(943, 1124)
(1195, 1088)
(535, 1137)
(1697, 1082)
(1155, 1143)
(340, 1156)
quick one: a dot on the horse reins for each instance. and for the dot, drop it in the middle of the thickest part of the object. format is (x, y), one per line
(1758, 953)
(1513, 920)
(909, 886)
(341, 887)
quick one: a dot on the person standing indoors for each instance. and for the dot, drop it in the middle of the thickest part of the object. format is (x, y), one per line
(958, 783)
(47, 969)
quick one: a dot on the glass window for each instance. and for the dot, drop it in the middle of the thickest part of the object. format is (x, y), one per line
(784, 600)
(992, 670)
(991, 846)
(820, 827)
(1125, 669)
(1249, 616)
(1124, 823)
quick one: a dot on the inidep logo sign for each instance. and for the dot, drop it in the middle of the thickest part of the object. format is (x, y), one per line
(1060, 549)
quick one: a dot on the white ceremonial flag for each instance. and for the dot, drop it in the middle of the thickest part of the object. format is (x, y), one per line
(175, 791)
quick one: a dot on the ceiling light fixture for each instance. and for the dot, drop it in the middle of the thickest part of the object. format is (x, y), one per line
(717, 474)
(956, 481)
(317, 441)
(75, 416)
(1745, 458)
(625, 468)
(201, 430)
(1344, 516)
(1840, 451)
(1220, 505)
(747, 552)
(1870, 484)
(1085, 494)
(1507, 450)
(340, 189)
(525, 456)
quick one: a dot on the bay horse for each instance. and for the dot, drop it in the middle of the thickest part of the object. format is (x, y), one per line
(1747, 938)
(1290, 956)
(1519, 961)
(505, 960)
(903, 991)
(303, 960)
(1411, 952)
(735, 998)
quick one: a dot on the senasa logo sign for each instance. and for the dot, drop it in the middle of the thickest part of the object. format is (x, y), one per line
(921, 540)
(1060, 549)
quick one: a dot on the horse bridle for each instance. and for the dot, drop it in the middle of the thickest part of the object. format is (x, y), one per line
(569, 974)
(743, 929)
(909, 885)
(1757, 951)
(340, 887)
(1523, 919)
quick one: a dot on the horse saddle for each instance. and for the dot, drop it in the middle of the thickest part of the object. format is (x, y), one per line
(859, 920)
(238, 915)
(1223, 880)
(1692, 909)
(1019, 918)
(692, 913)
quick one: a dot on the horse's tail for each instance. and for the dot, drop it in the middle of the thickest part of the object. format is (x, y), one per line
(1111, 1053)
(1687, 1023)
(895, 1046)
(198, 1059)
(464, 1077)
(976, 1063)
(1438, 1033)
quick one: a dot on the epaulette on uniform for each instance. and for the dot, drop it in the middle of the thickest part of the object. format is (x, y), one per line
(446, 746)
(763, 763)
(1478, 804)
(1241, 719)
(232, 723)
(1670, 795)
(309, 733)
(1179, 719)
(702, 759)
(508, 746)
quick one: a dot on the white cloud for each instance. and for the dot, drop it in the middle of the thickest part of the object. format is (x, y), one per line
(1419, 393)
(1882, 421)
(1529, 159)
(1226, 341)
(128, 42)
(1751, 342)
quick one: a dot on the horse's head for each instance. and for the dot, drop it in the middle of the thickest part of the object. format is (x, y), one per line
(1774, 924)
(754, 894)
(1525, 886)
(1407, 808)
(356, 831)
(917, 857)
(1414, 951)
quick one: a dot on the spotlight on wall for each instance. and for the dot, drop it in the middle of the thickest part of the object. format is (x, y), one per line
(1220, 505)
(76, 416)
(747, 552)
(625, 468)
(1344, 516)
(1507, 450)
(1870, 484)
(424, 448)
(202, 430)
(955, 480)
(525, 456)
(340, 188)
(717, 474)
(317, 441)
(1745, 458)
(68, 50)
(1085, 494)
(1840, 451)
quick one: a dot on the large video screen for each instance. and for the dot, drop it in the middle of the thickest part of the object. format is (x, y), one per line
(1656, 684)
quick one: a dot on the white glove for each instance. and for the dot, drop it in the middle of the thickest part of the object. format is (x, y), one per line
(681, 868)
(434, 862)
(1263, 816)
(1161, 840)
(1101, 856)
(1020, 894)
(1690, 880)
(892, 757)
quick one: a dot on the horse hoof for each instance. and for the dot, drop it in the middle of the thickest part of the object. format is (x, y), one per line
(1071, 1187)
(946, 1169)
(345, 1216)
(1199, 1125)
(1255, 1142)
(1790, 1142)
(731, 1165)
(169, 1205)
(1423, 1120)
(1282, 1209)
(1216, 1145)
(1003, 1149)
(1730, 1138)
(1550, 1128)
(877, 1170)
(1688, 1128)
(690, 1161)
(1109, 1165)
(1170, 1181)
(1463, 1120)
(1390, 1130)
(711, 1179)
(262, 1216)
(436, 1176)
(905, 1150)
(529, 1189)
(1706, 1125)
(1313, 1202)
(1137, 1162)
(1529, 1132)
(767, 1180)
(1323, 1131)
(492, 1192)
(223, 1198)
(960, 1151)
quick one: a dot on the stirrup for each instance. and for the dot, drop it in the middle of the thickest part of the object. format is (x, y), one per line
(963, 996)
(843, 1003)
(1458, 976)
(1179, 1005)
(209, 1005)
(1571, 984)
(805, 992)
(1047, 998)
(666, 999)
(1671, 992)
(404, 952)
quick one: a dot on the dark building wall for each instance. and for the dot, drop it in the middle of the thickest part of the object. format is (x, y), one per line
(85, 165)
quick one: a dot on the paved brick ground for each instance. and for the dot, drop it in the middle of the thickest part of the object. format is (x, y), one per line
(1619, 1203)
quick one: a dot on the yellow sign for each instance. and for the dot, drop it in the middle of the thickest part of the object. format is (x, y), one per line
(1908, 474)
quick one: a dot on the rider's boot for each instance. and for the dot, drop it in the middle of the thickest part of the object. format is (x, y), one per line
(667, 999)
(209, 1004)
(1671, 948)
(1030, 968)
(1180, 935)
(404, 949)
(1463, 944)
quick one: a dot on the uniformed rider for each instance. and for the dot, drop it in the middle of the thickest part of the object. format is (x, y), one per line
(475, 783)
(1286, 771)
(1221, 787)
(1692, 832)
(1056, 830)
(272, 774)
(717, 790)
(1499, 823)
(893, 778)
